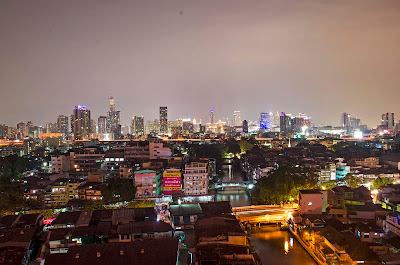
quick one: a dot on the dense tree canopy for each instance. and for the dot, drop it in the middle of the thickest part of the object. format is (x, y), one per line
(283, 185)
(119, 190)
(11, 168)
(379, 182)
(141, 204)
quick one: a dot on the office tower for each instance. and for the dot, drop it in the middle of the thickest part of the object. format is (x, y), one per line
(355, 123)
(265, 121)
(81, 122)
(196, 126)
(113, 120)
(71, 121)
(138, 126)
(275, 120)
(303, 123)
(92, 126)
(3, 131)
(187, 127)
(284, 123)
(388, 121)
(153, 127)
(212, 116)
(62, 124)
(30, 128)
(245, 126)
(51, 127)
(102, 124)
(125, 130)
(163, 120)
(237, 122)
(21, 130)
(345, 119)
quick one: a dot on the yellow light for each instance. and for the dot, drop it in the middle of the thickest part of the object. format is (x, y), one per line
(374, 192)
(286, 247)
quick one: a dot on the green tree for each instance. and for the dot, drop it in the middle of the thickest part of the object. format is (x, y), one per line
(93, 205)
(245, 146)
(11, 199)
(234, 148)
(141, 204)
(352, 181)
(283, 185)
(119, 190)
(379, 182)
(11, 168)
(330, 184)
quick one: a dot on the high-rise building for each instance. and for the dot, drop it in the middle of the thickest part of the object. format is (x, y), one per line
(163, 120)
(62, 124)
(265, 121)
(187, 127)
(21, 131)
(355, 123)
(113, 120)
(245, 126)
(3, 130)
(102, 124)
(303, 123)
(138, 126)
(345, 119)
(237, 121)
(285, 123)
(81, 122)
(388, 121)
(30, 128)
(212, 116)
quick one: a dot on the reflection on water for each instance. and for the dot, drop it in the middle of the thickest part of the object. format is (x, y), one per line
(279, 247)
(237, 200)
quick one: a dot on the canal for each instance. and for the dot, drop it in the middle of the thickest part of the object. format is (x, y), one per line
(274, 247)
(277, 247)
(233, 174)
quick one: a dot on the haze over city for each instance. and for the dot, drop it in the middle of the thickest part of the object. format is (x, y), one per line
(314, 57)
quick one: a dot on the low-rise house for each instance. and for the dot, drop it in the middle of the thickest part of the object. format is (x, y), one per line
(185, 215)
(144, 230)
(18, 240)
(151, 251)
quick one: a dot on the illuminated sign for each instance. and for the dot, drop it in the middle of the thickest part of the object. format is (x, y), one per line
(172, 183)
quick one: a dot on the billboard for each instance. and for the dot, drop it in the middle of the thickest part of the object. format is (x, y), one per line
(172, 183)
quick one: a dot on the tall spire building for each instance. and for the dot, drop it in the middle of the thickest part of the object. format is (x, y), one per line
(113, 120)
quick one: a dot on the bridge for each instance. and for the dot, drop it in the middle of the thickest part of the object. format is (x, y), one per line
(241, 184)
(264, 214)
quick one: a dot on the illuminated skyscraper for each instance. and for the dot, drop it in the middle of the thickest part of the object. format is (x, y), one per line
(113, 120)
(265, 121)
(62, 124)
(388, 120)
(102, 124)
(21, 131)
(284, 123)
(212, 116)
(81, 122)
(163, 120)
(237, 121)
(245, 126)
(345, 119)
(137, 126)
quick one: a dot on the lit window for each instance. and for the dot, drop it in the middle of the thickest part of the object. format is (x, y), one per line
(310, 203)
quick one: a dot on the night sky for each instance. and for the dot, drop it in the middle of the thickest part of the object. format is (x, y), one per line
(317, 57)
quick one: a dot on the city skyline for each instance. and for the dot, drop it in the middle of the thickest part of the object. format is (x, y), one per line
(317, 58)
(217, 118)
